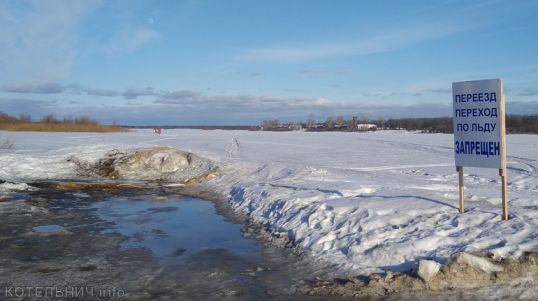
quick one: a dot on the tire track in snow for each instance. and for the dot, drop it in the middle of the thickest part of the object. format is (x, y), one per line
(391, 167)
(295, 188)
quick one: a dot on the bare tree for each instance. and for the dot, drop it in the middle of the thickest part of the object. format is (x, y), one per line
(340, 121)
(270, 124)
(310, 123)
(25, 118)
(49, 119)
(329, 124)
(352, 125)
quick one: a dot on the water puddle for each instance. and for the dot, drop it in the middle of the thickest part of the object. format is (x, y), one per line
(178, 227)
(151, 245)
(49, 229)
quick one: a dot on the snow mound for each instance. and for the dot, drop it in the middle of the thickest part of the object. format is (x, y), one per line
(160, 163)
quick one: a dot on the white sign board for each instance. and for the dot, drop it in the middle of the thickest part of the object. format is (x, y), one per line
(479, 123)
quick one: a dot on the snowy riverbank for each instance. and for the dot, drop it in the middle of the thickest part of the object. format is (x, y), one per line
(369, 202)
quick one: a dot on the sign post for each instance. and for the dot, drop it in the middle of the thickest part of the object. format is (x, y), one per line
(480, 130)
(460, 177)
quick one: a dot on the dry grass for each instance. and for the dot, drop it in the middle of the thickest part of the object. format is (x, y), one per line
(96, 187)
(207, 177)
(50, 123)
(60, 127)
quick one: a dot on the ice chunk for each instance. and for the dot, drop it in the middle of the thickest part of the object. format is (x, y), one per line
(478, 263)
(7, 187)
(427, 269)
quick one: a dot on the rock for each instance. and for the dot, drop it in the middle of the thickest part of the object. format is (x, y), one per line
(427, 269)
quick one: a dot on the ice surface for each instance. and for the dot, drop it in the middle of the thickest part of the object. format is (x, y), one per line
(49, 229)
(365, 202)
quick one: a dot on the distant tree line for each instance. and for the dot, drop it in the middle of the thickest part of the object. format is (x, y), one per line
(52, 124)
(515, 124)
(196, 127)
(522, 124)
(430, 125)
(50, 119)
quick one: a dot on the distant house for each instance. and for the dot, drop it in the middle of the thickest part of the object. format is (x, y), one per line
(295, 126)
(365, 127)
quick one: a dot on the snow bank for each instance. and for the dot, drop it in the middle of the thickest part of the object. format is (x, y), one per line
(364, 202)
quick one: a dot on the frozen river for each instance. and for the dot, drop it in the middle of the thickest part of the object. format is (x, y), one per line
(361, 203)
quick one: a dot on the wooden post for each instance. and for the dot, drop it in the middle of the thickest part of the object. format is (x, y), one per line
(502, 173)
(460, 176)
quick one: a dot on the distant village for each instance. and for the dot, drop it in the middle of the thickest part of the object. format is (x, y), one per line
(338, 124)
(516, 124)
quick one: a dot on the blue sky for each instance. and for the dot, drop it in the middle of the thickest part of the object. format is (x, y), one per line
(240, 62)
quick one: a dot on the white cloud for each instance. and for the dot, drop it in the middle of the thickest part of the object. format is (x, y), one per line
(187, 98)
(44, 88)
(376, 43)
(39, 38)
(54, 88)
(230, 110)
(134, 93)
(192, 107)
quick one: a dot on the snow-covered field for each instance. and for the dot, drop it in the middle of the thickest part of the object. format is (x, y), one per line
(366, 202)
